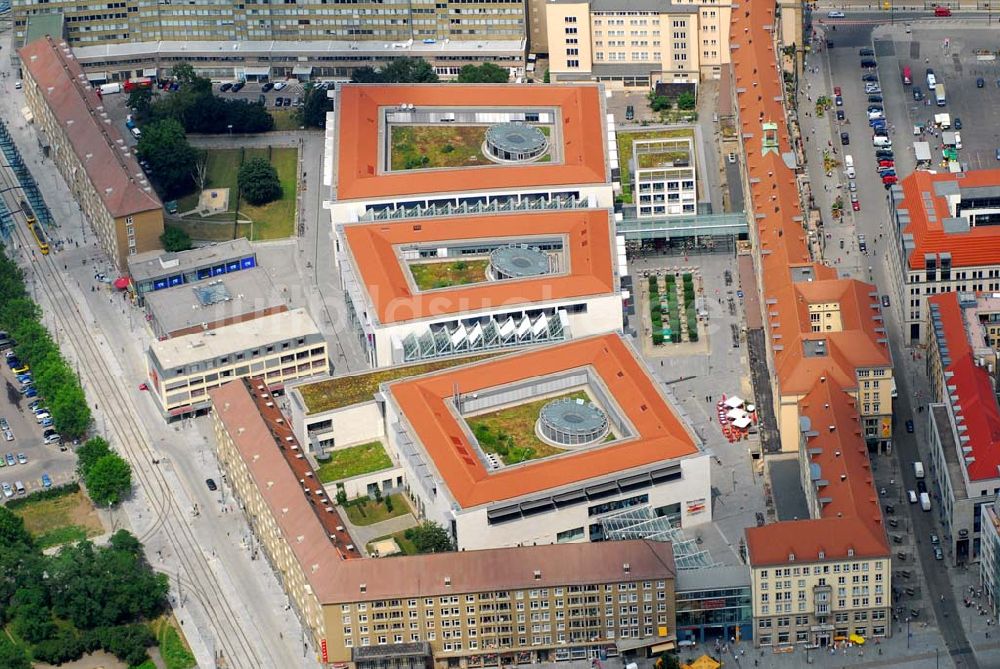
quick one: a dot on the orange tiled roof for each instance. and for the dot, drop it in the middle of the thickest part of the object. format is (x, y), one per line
(837, 455)
(979, 246)
(581, 114)
(588, 242)
(783, 245)
(660, 434)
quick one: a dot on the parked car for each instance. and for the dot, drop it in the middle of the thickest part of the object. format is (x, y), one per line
(889, 180)
(278, 85)
(909, 426)
(7, 490)
(866, 52)
(918, 94)
(998, 154)
(238, 86)
(875, 99)
(836, 90)
(7, 434)
(20, 370)
(266, 87)
(845, 139)
(840, 114)
(278, 102)
(46, 481)
(54, 439)
(225, 87)
(957, 122)
(942, 11)
(11, 460)
(22, 459)
(838, 100)
(885, 301)
(29, 391)
(629, 113)
(211, 485)
(869, 77)
(980, 82)
(835, 14)
(46, 422)
(855, 204)
(921, 486)
(852, 186)
(884, 154)
(288, 102)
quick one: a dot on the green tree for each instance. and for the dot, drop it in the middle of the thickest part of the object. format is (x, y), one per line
(341, 496)
(13, 657)
(487, 73)
(660, 102)
(100, 587)
(12, 532)
(667, 661)
(92, 450)
(399, 71)
(686, 101)
(189, 80)
(139, 100)
(175, 239)
(314, 110)
(165, 146)
(64, 646)
(109, 479)
(258, 181)
(429, 537)
(127, 642)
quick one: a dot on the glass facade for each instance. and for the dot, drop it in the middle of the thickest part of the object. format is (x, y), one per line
(705, 615)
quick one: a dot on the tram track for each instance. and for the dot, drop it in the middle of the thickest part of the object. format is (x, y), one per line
(129, 437)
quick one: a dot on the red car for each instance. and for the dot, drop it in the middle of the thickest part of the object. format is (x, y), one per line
(889, 180)
(836, 90)
(856, 206)
(886, 163)
(942, 11)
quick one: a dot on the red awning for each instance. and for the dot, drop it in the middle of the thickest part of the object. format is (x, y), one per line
(121, 283)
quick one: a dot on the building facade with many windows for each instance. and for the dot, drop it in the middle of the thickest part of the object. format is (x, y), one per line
(97, 165)
(637, 45)
(943, 238)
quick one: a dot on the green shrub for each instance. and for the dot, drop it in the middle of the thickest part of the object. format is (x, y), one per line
(447, 148)
(51, 493)
(657, 339)
(654, 286)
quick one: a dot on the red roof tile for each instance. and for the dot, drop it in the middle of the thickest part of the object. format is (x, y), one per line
(974, 388)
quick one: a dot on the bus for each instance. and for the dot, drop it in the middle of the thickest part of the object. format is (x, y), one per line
(907, 75)
(939, 95)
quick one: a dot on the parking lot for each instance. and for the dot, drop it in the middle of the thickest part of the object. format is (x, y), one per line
(950, 52)
(40, 458)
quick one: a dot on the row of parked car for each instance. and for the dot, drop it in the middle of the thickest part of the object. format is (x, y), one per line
(884, 156)
(28, 390)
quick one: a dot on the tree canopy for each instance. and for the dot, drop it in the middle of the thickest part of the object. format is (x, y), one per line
(164, 145)
(109, 480)
(258, 181)
(198, 110)
(399, 71)
(313, 111)
(429, 537)
(175, 239)
(487, 73)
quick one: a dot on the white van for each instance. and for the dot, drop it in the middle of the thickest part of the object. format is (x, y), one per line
(918, 469)
(19, 487)
(849, 164)
(881, 142)
(925, 501)
(912, 495)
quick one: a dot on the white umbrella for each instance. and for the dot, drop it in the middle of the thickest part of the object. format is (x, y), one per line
(736, 414)
(741, 422)
(734, 402)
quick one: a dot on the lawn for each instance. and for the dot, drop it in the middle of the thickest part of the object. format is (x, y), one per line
(405, 545)
(354, 460)
(173, 648)
(625, 140)
(517, 422)
(429, 275)
(441, 145)
(274, 220)
(58, 520)
(661, 158)
(366, 511)
(285, 119)
(347, 390)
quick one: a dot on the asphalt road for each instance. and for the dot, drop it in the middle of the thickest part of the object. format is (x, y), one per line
(840, 66)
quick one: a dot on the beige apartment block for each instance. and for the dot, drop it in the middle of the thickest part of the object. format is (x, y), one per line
(95, 161)
(637, 45)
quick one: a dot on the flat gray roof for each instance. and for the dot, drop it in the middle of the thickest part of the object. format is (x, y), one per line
(713, 578)
(230, 339)
(181, 307)
(155, 264)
